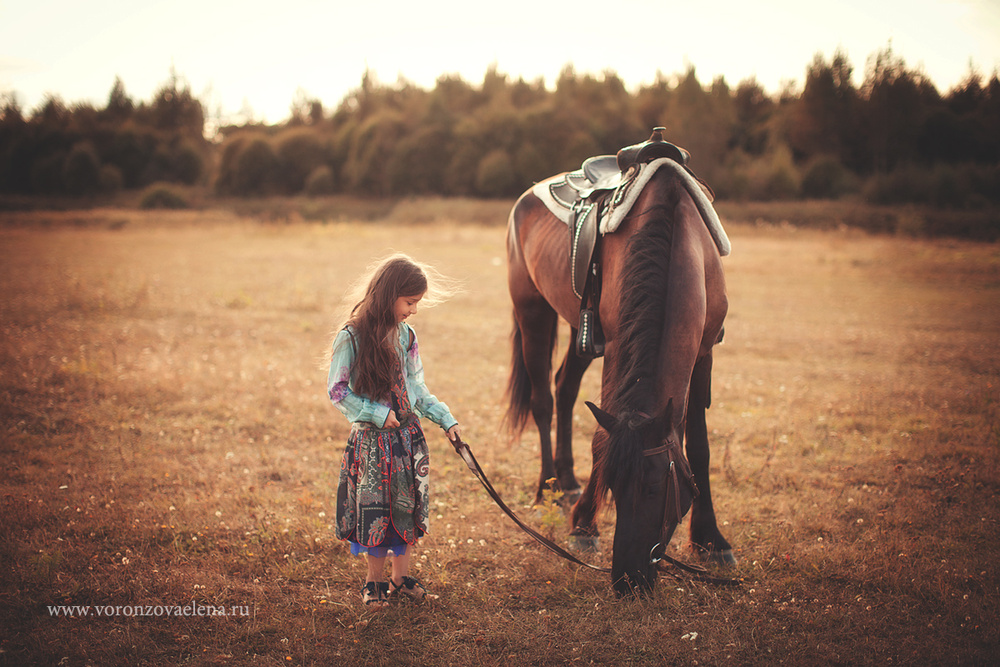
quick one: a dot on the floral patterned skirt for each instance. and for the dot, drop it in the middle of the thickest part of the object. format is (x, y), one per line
(383, 491)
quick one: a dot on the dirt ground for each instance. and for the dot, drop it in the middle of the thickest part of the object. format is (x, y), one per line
(167, 442)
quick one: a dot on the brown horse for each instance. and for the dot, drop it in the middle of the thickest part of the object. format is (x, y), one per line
(662, 307)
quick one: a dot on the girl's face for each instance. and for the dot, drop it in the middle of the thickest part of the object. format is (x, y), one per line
(406, 306)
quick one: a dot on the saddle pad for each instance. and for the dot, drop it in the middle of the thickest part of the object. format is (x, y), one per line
(613, 216)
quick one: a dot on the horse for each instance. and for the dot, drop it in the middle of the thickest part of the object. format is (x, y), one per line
(662, 306)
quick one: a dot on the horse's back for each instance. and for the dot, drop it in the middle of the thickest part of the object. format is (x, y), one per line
(538, 256)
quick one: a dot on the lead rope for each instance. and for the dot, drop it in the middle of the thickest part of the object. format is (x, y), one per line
(700, 573)
(470, 460)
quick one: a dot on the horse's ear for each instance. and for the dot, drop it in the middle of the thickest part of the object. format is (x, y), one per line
(606, 421)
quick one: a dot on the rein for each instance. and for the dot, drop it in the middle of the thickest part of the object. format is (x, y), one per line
(700, 573)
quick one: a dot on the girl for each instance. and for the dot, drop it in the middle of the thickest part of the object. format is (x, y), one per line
(377, 380)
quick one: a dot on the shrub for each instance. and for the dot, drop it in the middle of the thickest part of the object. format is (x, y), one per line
(781, 178)
(159, 167)
(531, 165)
(985, 182)
(300, 152)
(495, 175)
(111, 179)
(419, 161)
(460, 174)
(187, 163)
(826, 178)
(968, 186)
(320, 182)
(225, 182)
(47, 174)
(163, 196)
(904, 184)
(81, 172)
(370, 149)
(131, 151)
(781, 184)
(258, 171)
(772, 176)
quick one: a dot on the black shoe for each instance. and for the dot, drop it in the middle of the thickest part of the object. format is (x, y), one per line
(375, 593)
(410, 587)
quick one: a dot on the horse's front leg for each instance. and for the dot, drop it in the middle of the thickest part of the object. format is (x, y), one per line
(585, 535)
(568, 379)
(706, 538)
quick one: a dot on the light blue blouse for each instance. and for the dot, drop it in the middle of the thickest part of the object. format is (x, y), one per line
(359, 408)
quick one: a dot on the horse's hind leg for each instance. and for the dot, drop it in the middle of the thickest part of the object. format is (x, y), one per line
(706, 538)
(537, 321)
(567, 389)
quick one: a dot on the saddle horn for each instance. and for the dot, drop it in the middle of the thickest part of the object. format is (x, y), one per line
(651, 149)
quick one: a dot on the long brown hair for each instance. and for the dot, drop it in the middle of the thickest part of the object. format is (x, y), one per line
(373, 321)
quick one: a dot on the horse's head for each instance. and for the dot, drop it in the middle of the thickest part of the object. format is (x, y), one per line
(645, 469)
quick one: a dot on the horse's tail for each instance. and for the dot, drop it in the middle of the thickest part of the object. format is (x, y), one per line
(518, 386)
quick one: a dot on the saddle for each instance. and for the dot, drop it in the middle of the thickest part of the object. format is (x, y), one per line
(591, 194)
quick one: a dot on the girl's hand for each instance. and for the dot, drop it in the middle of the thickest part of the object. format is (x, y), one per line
(391, 421)
(454, 433)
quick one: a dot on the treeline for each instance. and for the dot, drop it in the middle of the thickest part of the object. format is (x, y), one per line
(894, 139)
(82, 150)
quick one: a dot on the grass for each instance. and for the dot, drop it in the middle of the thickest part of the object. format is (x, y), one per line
(166, 439)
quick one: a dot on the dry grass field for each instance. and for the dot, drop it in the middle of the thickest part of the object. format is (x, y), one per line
(168, 449)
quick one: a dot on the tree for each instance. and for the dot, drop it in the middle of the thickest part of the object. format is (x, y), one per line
(702, 121)
(752, 109)
(823, 118)
(120, 106)
(371, 146)
(896, 102)
(175, 110)
(13, 144)
(305, 110)
(420, 160)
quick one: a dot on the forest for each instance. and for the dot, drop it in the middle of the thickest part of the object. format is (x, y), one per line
(893, 139)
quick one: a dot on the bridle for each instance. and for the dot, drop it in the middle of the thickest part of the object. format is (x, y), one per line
(679, 471)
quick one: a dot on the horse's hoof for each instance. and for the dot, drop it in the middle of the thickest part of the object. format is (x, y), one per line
(570, 498)
(586, 544)
(724, 558)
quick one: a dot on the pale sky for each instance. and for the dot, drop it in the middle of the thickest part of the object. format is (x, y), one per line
(258, 55)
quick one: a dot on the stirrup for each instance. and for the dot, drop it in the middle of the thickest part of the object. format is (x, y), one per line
(410, 587)
(375, 592)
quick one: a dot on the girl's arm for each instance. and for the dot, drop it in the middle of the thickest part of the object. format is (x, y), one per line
(424, 403)
(338, 385)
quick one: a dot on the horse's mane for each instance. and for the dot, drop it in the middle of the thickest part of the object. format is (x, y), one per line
(643, 312)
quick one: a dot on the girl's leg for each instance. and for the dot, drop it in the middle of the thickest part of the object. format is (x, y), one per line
(376, 568)
(376, 590)
(401, 565)
(401, 582)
